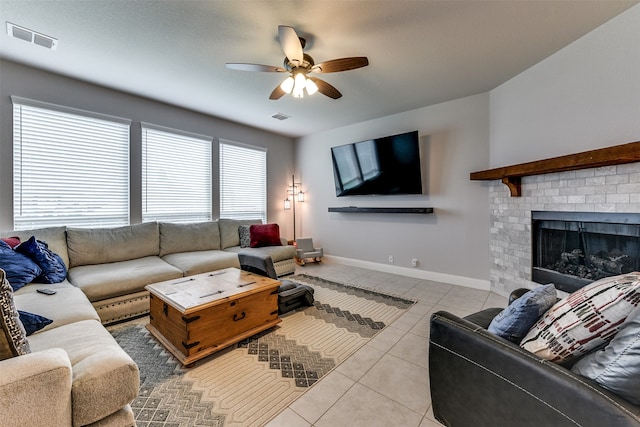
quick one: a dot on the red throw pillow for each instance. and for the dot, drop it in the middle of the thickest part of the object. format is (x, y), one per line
(264, 235)
(11, 241)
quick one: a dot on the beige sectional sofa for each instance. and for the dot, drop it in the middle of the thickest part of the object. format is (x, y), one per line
(113, 265)
(75, 358)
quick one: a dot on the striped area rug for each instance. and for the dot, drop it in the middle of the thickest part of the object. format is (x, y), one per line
(250, 383)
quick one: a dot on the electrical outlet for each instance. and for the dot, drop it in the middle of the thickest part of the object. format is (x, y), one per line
(390, 259)
(414, 262)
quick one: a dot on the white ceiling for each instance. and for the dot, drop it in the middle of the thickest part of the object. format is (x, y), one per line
(420, 52)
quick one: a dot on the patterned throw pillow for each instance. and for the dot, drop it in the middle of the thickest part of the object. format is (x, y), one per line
(586, 319)
(245, 236)
(13, 337)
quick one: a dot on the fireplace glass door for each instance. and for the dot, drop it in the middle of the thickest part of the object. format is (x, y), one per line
(571, 249)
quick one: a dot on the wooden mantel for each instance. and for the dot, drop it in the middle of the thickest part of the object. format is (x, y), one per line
(511, 175)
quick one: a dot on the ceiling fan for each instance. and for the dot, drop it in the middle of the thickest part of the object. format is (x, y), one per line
(300, 65)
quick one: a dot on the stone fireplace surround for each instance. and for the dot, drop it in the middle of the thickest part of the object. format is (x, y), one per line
(603, 189)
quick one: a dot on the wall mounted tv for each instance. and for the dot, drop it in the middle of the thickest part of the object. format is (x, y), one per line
(381, 166)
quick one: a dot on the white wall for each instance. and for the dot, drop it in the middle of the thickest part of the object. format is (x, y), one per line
(585, 96)
(451, 244)
(27, 82)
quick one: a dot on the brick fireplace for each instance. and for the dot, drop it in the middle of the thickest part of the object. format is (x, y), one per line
(609, 189)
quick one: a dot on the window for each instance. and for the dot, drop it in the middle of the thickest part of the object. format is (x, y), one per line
(243, 181)
(176, 175)
(70, 167)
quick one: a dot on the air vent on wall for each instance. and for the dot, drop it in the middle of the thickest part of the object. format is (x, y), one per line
(31, 36)
(280, 116)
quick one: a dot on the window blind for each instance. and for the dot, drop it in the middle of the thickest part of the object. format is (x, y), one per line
(176, 175)
(71, 167)
(243, 182)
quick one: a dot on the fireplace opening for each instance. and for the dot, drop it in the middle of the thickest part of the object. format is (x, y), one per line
(572, 249)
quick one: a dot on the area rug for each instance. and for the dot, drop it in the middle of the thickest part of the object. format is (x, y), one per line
(251, 382)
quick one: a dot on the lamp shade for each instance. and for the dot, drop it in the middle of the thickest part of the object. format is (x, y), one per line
(287, 84)
(287, 204)
(311, 87)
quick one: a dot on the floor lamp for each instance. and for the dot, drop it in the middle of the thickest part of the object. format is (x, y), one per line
(294, 194)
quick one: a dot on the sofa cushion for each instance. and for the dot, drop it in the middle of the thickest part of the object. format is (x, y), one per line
(20, 269)
(617, 366)
(55, 237)
(586, 319)
(53, 268)
(89, 246)
(175, 238)
(264, 235)
(103, 281)
(68, 305)
(105, 378)
(229, 235)
(13, 337)
(202, 261)
(33, 322)
(514, 322)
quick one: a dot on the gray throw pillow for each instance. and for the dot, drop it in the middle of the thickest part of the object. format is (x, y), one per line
(514, 322)
(617, 366)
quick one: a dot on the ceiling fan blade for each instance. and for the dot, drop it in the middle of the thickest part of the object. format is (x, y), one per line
(290, 44)
(256, 67)
(326, 89)
(342, 64)
(277, 93)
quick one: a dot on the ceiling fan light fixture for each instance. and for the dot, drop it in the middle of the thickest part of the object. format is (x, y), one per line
(287, 84)
(300, 82)
(311, 87)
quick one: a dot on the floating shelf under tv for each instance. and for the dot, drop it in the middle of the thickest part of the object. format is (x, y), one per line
(352, 209)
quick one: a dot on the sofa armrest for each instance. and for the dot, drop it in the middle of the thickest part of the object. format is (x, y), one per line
(480, 379)
(35, 389)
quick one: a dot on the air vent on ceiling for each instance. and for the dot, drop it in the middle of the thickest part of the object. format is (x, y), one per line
(31, 36)
(280, 116)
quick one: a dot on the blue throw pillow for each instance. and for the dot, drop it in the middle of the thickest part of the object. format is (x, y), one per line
(33, 322)
(19, 269)
(53, 268)
(617, 366)
(514, 322)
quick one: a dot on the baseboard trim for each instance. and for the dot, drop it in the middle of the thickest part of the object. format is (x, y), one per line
(451, 279)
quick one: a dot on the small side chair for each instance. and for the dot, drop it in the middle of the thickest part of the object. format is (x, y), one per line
(305, 250)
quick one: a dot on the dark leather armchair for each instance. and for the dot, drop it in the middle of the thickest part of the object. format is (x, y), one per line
(479, 379)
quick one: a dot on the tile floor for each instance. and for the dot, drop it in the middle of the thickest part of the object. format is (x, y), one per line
(385, 383)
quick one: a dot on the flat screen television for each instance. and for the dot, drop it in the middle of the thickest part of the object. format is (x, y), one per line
(381, 166)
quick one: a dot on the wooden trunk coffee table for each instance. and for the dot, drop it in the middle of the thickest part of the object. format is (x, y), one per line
(196, 316)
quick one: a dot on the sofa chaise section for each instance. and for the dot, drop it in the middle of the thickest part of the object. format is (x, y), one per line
(283, 256)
